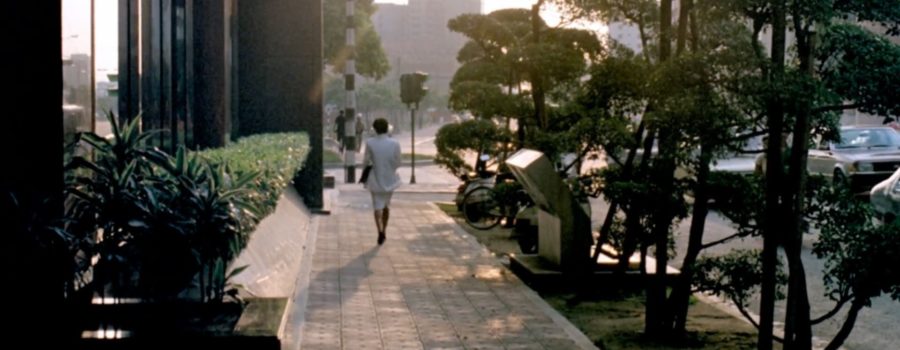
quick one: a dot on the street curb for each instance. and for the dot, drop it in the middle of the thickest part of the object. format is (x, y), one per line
(359, 165)
(581, 340)
(299, 298)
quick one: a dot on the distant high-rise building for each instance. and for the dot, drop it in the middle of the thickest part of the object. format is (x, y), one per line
(415, 37)
(77, 79)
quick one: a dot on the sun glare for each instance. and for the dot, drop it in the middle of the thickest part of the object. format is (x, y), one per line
(550, 14)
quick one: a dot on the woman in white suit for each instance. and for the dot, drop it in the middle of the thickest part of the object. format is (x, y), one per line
(383, 154)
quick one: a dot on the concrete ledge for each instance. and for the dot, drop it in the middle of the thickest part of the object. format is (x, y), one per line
(273, 252)
(181, 325)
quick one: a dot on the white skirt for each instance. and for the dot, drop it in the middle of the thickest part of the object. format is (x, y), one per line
(381, 200)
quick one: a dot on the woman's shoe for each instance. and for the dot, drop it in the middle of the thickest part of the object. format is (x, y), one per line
(381, 238)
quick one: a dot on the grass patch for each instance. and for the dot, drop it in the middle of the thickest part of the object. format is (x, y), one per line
(408, 156)
(329, 156)
(614, 320)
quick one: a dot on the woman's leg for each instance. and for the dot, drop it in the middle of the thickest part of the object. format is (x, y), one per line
(380, 202)
(378, 206)
(386, 212)
(379, 222)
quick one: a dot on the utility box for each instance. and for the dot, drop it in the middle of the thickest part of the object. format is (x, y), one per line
(564, 228)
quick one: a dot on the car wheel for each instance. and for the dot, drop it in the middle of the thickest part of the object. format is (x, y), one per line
(839, 179)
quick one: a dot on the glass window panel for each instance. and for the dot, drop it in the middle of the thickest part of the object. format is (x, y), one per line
(77, 77)
(106, 24)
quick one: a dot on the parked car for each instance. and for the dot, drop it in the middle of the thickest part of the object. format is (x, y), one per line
(865, 156)
(885, 198)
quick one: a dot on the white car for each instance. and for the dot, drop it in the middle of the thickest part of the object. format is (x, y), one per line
(885, 198)
(865, 156)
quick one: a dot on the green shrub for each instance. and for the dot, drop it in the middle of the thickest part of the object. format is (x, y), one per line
(168, 227)
(277, 157)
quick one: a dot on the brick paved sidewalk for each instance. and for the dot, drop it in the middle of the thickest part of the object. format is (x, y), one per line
(430, 286)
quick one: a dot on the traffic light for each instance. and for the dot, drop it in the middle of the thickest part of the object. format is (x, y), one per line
(406, 89)
(419, 79)
(412, 87)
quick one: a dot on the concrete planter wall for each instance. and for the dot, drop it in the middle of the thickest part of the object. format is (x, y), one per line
(258, 325)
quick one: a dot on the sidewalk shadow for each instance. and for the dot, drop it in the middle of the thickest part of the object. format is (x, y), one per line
(324, 295)
(343, 280)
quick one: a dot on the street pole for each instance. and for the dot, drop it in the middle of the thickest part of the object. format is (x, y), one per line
(350, 102)
(412, 114)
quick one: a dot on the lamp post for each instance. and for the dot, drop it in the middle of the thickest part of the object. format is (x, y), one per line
(412, 118)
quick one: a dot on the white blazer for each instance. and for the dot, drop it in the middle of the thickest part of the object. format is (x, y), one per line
(383, 153)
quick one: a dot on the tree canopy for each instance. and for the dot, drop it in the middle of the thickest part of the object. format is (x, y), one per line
(370, 58)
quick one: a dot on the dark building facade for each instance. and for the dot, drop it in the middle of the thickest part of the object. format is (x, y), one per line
(207, 71)
(180, 69)
(31, 136)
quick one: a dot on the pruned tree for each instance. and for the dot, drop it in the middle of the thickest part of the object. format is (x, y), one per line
(501, 62)
(479, 136)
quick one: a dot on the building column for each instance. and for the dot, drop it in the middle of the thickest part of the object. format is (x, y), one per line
(212, 72)
(279, 79)
(31, 134)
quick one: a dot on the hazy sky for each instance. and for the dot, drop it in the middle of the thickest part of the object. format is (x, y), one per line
(487, 6)
(77, 35)
(77, 32)
(548, 12)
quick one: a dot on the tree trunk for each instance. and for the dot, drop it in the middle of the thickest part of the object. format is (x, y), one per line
(537, 79)
(614, 205)
(798, 330)
(665, 169)
(681, 292)
(684, 13)
(774, 171)
(634, 232)
(677, 307)
(847, 327)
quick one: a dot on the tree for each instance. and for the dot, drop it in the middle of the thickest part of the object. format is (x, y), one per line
(370, 58)
(848, 68)
(501, 61)
(857, 253)
(378, 96)
(480, 136)
(814, 93)
(698, 103)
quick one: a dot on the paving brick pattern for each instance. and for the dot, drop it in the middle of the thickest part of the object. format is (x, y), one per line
(427, 287)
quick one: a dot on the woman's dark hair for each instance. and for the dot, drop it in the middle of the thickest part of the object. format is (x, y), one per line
(380, 125)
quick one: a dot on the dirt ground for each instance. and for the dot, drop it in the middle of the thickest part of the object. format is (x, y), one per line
(616, 321)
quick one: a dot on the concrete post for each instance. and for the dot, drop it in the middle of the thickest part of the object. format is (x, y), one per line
(350, 102)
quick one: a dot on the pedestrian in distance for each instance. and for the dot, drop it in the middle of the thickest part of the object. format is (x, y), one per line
(339, 129)
(360, 128)
(383, 155)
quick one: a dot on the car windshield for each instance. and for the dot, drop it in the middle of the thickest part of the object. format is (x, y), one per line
(868, 138)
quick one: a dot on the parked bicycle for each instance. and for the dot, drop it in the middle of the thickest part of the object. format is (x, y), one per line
(485, 207)
(481, 177)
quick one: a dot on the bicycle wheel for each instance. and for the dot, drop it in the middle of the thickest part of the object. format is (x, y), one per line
(480, 209)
